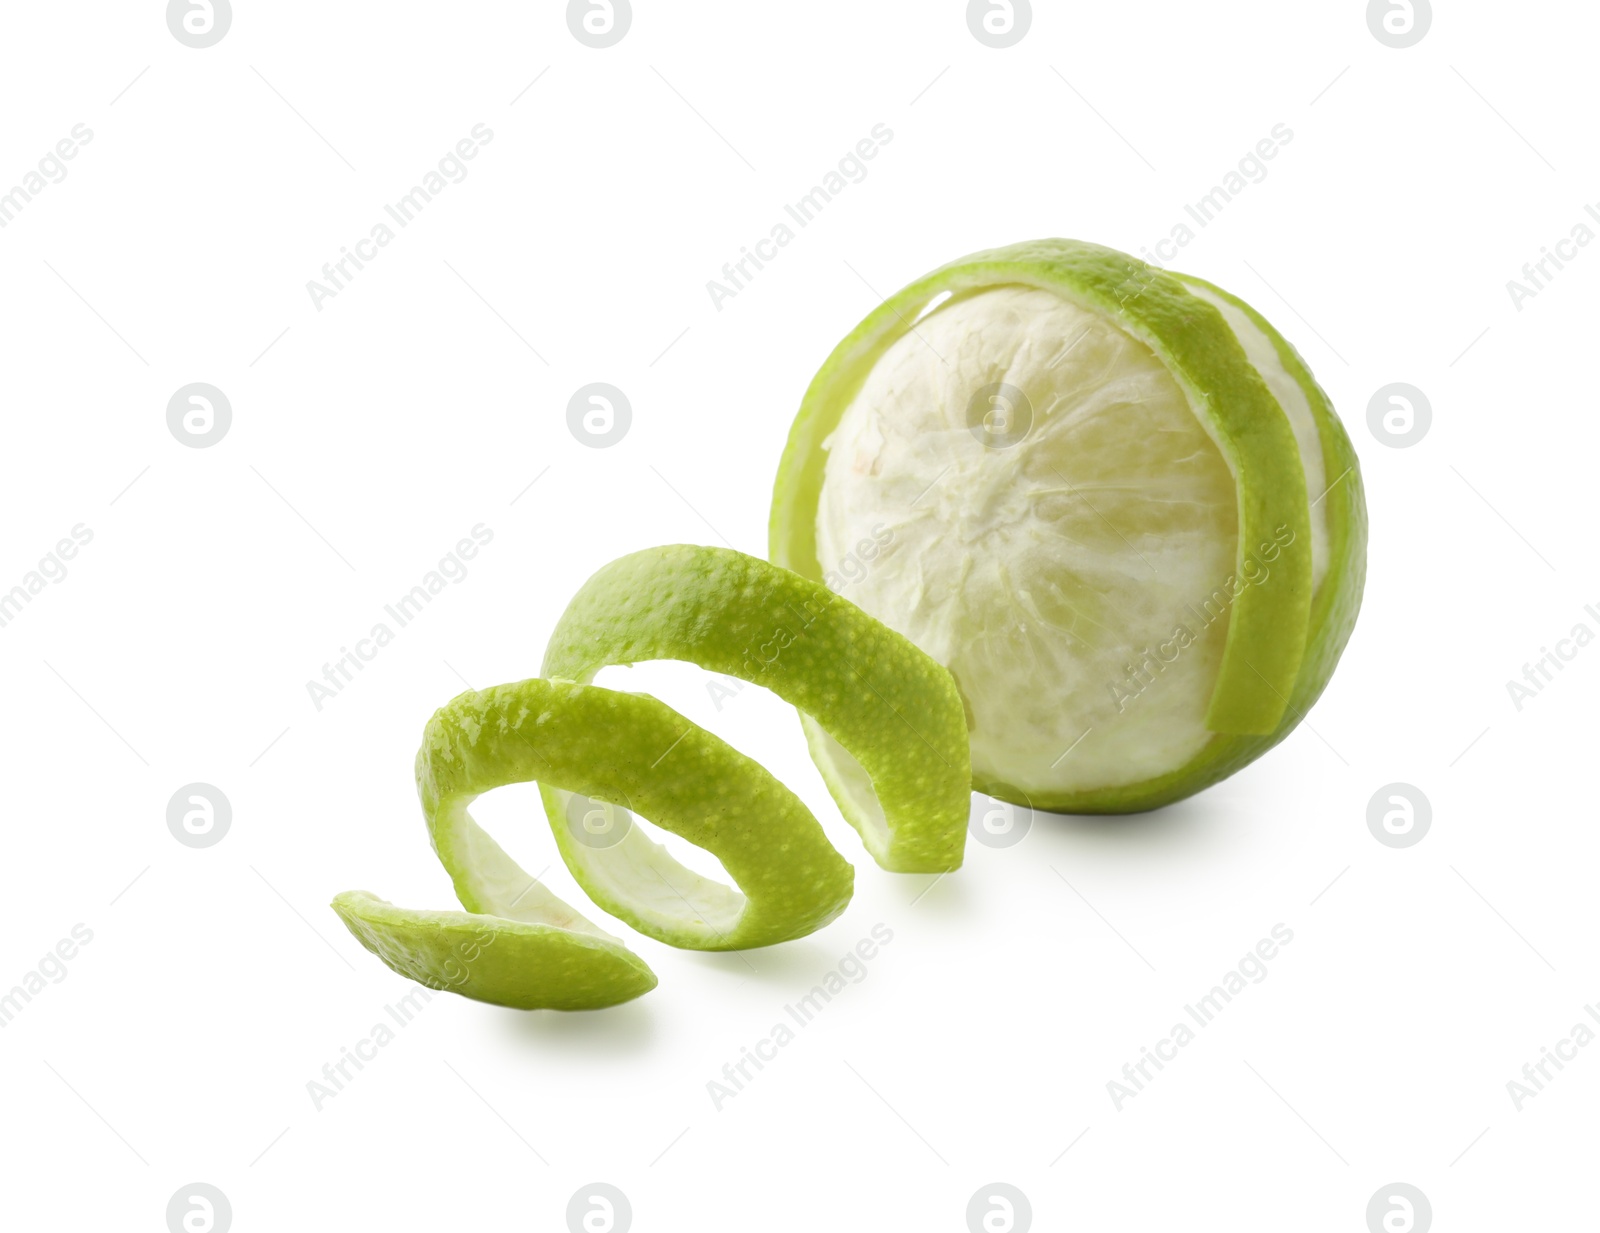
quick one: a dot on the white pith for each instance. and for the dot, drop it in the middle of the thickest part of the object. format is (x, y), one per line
(849, 780)
(637, 871)
(662, 890)
(1041, 573)
(501, 886)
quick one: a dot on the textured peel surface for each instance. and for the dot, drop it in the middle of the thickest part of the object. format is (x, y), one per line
(603, 757)
(527, 965)
(889, 716)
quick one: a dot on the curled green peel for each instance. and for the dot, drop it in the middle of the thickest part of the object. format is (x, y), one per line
(884, 721)
(633, 751)
(600, 751)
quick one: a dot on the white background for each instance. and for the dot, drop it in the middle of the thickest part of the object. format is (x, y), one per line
(427, 395)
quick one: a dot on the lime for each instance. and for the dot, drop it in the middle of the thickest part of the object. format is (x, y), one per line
(1111, 500)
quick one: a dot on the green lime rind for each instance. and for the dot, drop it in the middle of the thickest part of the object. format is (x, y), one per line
(897, 760)
(492, 959)
(1331, 619)
(1266, 639)
(634, 751)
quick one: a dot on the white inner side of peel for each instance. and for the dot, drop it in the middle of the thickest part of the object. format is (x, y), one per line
(656, 885)
(637, 871)
(503, 886)
(847, 777)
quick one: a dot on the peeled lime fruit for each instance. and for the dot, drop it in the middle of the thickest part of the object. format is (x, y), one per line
(1110, 499)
